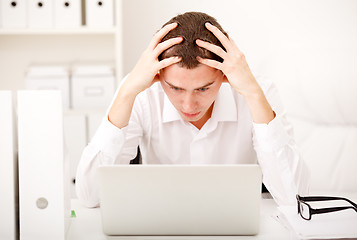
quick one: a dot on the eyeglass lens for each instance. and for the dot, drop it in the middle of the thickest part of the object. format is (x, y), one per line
(304, 210)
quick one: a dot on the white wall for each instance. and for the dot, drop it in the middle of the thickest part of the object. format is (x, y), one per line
(245, 21)
(314, 44)
(308, 48)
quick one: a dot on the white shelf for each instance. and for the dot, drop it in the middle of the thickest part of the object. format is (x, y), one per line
(74, 31)
(72, 111)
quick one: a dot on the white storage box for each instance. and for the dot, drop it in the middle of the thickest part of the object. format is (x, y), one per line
(49, 78)
(92, 87)
(43, 169)
(68, 13)
(40, 13)
(13, 13)
(99, 13)
(8, 168)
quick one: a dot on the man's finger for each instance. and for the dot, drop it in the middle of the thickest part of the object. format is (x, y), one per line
(168, 61)
(212, 47)
(210, 63)
(161, 33)
(166, 45)
(221, 37)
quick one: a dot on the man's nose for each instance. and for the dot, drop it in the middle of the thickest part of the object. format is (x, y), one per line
(189, 103)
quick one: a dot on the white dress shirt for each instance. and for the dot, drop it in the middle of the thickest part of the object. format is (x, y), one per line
(228, 137)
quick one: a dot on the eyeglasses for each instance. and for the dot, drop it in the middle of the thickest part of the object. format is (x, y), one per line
(306, 211)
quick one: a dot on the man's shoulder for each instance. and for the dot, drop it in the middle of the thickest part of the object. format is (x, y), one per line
(152, 92)
(151, 98)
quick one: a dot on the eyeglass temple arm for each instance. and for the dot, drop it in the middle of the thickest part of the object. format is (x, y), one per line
(321, 198)
(332, 209)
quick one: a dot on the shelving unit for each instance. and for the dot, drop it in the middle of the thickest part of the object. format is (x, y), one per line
(69, 31)
(20, 48)
(16, 46)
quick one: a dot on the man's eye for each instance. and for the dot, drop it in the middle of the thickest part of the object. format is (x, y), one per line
(202, 89)
(175, 88)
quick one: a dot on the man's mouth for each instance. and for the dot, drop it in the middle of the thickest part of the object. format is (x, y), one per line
(191, 115)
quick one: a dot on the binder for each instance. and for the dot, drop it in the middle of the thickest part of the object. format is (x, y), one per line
(68, 13)
(99, 13)
(75, 133)
(40, 13)
(13, 13)
(43, 170)
(8, 168)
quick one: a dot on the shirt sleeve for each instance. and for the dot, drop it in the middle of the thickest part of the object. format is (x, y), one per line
(110, 145)
(284, 171)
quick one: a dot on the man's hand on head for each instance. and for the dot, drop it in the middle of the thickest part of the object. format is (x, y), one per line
(238, 74)
(234, 65)
(145, 72)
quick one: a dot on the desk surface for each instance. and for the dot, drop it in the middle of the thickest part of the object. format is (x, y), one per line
(87, 225)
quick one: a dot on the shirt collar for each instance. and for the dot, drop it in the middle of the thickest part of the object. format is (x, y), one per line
(224, 109)
(169, 112)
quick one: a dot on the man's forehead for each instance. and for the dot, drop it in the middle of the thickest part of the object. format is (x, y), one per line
(198, 76)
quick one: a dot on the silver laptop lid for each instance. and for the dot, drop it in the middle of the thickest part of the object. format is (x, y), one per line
(180, 199)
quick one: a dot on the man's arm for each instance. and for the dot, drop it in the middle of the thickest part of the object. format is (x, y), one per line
(238, 74)
(144, 74)
(284, 172)
(108, 143)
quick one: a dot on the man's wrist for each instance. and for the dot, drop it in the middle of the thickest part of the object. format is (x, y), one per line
(128, 89)
(259, 106)
(251, 92)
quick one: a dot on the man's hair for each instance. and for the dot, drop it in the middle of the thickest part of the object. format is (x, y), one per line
(191, 26)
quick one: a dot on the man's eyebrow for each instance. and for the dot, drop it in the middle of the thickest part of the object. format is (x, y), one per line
(207, 85)
(204, 86)
(173, 86)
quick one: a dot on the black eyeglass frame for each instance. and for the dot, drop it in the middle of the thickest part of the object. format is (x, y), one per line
(312, 211)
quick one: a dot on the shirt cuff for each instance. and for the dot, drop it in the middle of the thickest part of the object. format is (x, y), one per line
(108, 138)
(270, 137)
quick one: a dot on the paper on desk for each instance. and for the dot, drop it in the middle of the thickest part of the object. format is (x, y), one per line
(342, 224)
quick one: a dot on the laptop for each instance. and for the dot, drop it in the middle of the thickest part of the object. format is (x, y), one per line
(180, 199)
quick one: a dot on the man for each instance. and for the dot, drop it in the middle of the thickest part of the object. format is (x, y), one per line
(192, 99)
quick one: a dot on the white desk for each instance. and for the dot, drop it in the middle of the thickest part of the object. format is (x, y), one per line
(87, 226)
